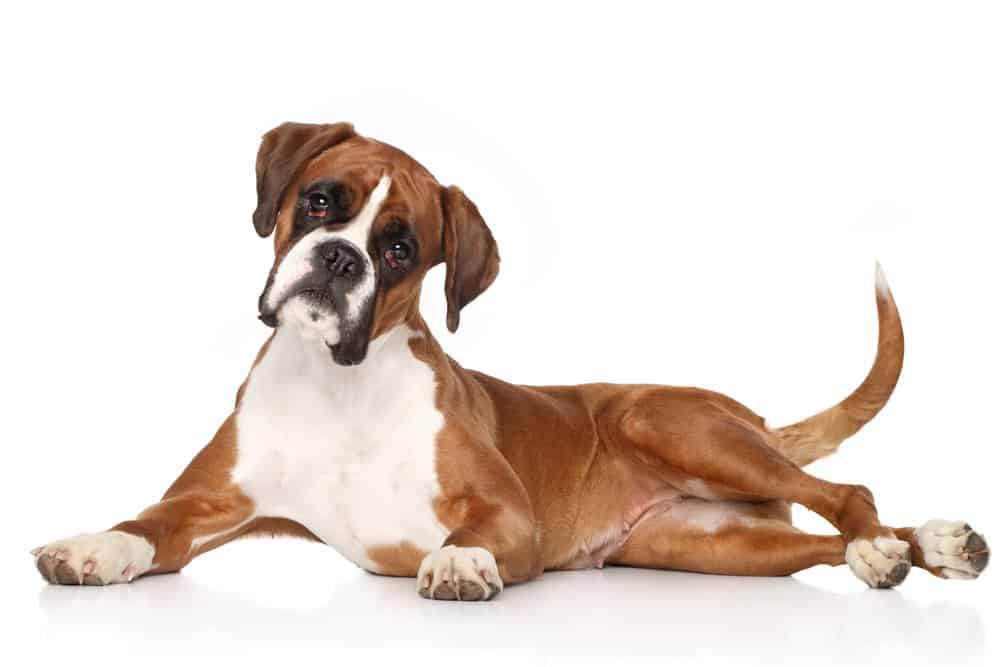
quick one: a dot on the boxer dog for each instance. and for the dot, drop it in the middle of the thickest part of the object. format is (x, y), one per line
(354, 428)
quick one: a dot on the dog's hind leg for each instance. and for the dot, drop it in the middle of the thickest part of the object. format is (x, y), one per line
(726, 538)
(700, 437)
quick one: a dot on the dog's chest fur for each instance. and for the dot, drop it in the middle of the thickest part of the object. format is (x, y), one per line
(348, 452)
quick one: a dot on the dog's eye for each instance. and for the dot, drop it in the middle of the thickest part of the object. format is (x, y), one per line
(397, 253)
(318, 204)
(400, 250)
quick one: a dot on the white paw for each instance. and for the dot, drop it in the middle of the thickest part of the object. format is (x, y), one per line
(95, 559)
(459, 573)
(881, 563)
(954, 547)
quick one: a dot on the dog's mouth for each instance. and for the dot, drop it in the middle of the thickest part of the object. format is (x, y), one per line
(321, 302)
(318, 294)
(318, 313)
(309, 304)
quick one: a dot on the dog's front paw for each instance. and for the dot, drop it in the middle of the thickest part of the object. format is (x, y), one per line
(953, 549)
(94, 559)
(882, 562)
(459, 573)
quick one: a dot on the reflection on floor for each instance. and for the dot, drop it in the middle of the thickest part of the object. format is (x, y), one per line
(581, 617)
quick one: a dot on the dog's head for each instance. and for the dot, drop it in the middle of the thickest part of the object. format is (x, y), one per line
(357, 224)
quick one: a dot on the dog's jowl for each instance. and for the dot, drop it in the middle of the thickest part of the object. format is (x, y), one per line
(355, 429)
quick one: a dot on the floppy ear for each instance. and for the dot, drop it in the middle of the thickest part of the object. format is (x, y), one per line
(470, 253)
(283, 153)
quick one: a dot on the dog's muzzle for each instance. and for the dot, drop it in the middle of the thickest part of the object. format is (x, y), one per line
(329, 284)
(337, 268)
(336, 280)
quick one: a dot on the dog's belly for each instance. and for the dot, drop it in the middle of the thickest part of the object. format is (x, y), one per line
(347, 452)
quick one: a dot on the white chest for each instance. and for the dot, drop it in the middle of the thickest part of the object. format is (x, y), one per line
(348, 452)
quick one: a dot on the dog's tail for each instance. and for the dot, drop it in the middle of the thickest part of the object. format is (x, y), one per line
(821, 434)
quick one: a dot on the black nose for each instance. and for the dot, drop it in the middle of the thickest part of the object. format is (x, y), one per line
(342, 259)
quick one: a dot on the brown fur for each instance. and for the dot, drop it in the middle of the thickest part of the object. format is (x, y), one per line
(821, 434)
(549, 477)
(397, 560)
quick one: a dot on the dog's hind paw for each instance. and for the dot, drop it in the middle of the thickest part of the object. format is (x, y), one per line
(459, 573)
(882, 562)
(94, 559)
(952, 550)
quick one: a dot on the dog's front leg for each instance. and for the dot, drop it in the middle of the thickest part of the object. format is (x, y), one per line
(200, 511)
(494, 539)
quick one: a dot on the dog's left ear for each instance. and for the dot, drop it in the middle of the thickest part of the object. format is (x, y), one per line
(283, 153)
(469, 252)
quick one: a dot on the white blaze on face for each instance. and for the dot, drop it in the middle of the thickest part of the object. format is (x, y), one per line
(299, 262)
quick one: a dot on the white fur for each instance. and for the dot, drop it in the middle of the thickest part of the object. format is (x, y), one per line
(711, 516)
(881, 282)
(873, 560)
(300, 313)
(298, 261)
(453, 565)
(348, 452)
(699, 489)
(943, 544)
(113, 556)
(197, 542)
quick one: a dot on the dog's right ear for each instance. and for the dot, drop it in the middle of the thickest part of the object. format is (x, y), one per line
(283, 153)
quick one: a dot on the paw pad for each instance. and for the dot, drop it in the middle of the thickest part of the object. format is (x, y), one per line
(459, 573)
(94, 559)
(953, 548)
(883, 562)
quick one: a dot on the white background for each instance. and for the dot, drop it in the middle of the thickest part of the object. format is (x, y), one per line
(687, 193)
